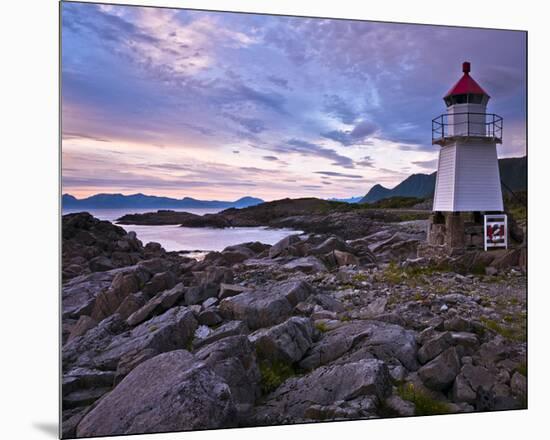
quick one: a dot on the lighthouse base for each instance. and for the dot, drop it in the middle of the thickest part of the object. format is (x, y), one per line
(455, 231)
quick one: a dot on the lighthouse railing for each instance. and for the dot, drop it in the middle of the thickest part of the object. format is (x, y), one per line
(467, 124)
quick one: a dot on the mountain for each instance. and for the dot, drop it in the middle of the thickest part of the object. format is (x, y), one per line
(513, 174)
(346, 200)
(141, 201)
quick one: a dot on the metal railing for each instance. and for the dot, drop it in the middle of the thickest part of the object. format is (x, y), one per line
(466, 124)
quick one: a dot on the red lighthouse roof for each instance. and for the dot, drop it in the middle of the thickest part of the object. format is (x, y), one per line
(466, 84)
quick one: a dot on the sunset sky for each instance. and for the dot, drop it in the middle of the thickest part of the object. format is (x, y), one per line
(222, 105)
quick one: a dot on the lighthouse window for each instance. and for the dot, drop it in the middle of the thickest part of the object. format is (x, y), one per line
(475, 99)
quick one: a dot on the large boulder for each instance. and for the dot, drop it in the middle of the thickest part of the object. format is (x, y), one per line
(266, 306)
(230, 328)
(286, 342)
(291, 402)
(439, 373)
(160, 303)
(112, 346)
(284, 246)
(233, 359)
(359, 339)
(309, 264)
(170, 392)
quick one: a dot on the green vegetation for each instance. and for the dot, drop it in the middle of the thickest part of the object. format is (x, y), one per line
(516, 330)
(516, 206)
(424, 404)
(321, 326)
(394, 203)
(274, 374)
(411, 276)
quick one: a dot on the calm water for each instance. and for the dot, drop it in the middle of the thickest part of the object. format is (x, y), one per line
(175, 238)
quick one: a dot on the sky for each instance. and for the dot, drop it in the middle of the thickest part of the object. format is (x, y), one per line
(217, 105)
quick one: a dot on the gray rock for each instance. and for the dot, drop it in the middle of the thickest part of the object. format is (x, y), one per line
(266, 306)
(159, 282)
(399, 407)
(100, 264)
(329, 245)
(308, 264)
(440, 372)
(324, 386)
(230, 328)
(209, 317)
(234, 360)
(83, 324)
(282, 246)
(79, 293)
(170, 392)
(286, 342)
(434, 347)
(358, 339)
(518, 385)
(462, 391)
(161, 302)
(227, 290)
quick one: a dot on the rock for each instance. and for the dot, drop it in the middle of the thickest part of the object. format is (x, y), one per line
(83, 324)
(477, 377)
(434, 347)
(491, 271)
(266, 306)
(161, 302)
(100, 264)
(374, 308)
(210, 302)
(305, 264)
(457, 324)
(160, 281)
(462, 391)
(78, 294)
(227, 290)
(286, 342)
(440, 372)
(518, 385)
(360, 339)
(132, 303)
(170, 392)
(230, 328)
(281, 248)
(329, 245)
(324, 386)
(109, 300)
(233, 359)
(209, 317)
(399, 407)
(345, 258)
(110, 346)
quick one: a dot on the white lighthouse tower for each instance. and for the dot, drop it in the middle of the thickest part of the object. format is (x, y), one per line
(468, 178)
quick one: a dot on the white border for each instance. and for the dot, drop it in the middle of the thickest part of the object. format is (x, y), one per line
(29, 185)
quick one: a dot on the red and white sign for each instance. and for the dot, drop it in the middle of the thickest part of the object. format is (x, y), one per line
(496, 231)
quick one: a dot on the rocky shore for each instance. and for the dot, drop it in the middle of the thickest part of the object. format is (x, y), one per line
(308, 214)
(328, 325)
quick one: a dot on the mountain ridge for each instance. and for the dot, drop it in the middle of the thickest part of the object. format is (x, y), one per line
(513, 174)
(139, 200)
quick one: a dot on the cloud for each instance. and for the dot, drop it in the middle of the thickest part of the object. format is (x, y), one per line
(430, 164)
(359, 135)
(336, 174)
(336, 106)
(367, 161)
(270, 158)
(281, 82)
(306, 148)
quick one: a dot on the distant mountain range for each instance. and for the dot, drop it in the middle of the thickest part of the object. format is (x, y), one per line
(141, 201)
(347, 200)
(513, 173)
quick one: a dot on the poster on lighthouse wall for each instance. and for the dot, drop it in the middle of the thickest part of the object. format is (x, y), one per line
(245, 205)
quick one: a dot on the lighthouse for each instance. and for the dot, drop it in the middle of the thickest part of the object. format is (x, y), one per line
(468, 181)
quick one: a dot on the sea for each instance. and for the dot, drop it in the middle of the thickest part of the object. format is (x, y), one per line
(193, 241)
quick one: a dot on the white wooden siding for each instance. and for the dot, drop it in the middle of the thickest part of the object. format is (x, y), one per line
(477, 178)
(468, 178)
(445, 179)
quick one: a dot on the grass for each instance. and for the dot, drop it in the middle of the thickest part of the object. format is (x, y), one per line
(515, 331)
(522, 368)
(424, 405)
(411, 276)
(322, 327)
(274, 374)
